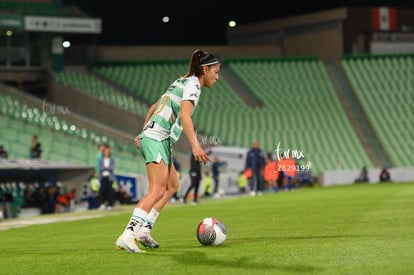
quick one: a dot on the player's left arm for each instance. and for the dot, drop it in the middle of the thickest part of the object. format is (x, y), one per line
(188, 128)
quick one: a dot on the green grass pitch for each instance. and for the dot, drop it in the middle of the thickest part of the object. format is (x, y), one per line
(351, 229)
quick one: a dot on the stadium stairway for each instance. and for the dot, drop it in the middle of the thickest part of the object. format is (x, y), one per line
(240, 87)
(357, 116)
(301, 110)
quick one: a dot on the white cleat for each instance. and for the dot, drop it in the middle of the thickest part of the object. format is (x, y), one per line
(146, 240)
(128, 244)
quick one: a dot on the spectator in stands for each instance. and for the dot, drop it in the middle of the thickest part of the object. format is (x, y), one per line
(363, 176)
(98, 156)
(122, 196)
(156, 142)
(207, 184)
(195, 176)
(385, 175)
(35, 148)
(255, 161)
(3, 152)
(106, 178)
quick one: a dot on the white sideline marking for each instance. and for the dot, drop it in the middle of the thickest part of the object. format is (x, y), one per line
(45, 220)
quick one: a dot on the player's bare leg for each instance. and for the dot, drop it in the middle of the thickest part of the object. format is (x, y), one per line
(143, 235)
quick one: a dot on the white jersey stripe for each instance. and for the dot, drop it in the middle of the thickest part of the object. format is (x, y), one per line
(165, 121)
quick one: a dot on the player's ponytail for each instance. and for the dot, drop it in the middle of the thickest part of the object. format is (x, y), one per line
(198, 60)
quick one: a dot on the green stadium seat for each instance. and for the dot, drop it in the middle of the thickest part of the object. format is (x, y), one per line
(382, 93)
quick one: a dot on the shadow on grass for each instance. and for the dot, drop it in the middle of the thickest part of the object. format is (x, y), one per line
(272, 239)
(199, 259)
(190, 257)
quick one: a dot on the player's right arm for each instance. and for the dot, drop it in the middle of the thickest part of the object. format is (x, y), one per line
(151, 111)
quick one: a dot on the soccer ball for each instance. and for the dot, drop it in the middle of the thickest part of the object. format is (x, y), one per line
(211, 231)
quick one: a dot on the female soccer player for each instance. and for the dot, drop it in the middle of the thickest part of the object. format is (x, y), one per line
(164, 123)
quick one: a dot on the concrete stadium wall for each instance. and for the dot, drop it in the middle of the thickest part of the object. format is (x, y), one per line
(326, 34)
(315, 34)
(339, 177)
(331, 47)
(131, 53)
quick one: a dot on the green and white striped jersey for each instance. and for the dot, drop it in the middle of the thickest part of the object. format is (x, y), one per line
(165, 121)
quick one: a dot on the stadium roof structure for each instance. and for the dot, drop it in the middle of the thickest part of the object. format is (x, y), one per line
(37, 170)
(46, 16)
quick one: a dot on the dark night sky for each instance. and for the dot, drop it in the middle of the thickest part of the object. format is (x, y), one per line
(139, 22)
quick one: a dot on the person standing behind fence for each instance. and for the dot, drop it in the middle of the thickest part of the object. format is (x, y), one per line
(242, 182)
(106, 178)
(177, 166)
(195, 176)
(207, 184)
(98, 156)
(215, 169)
(270, 174)
(287, 165)
(255, 161)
